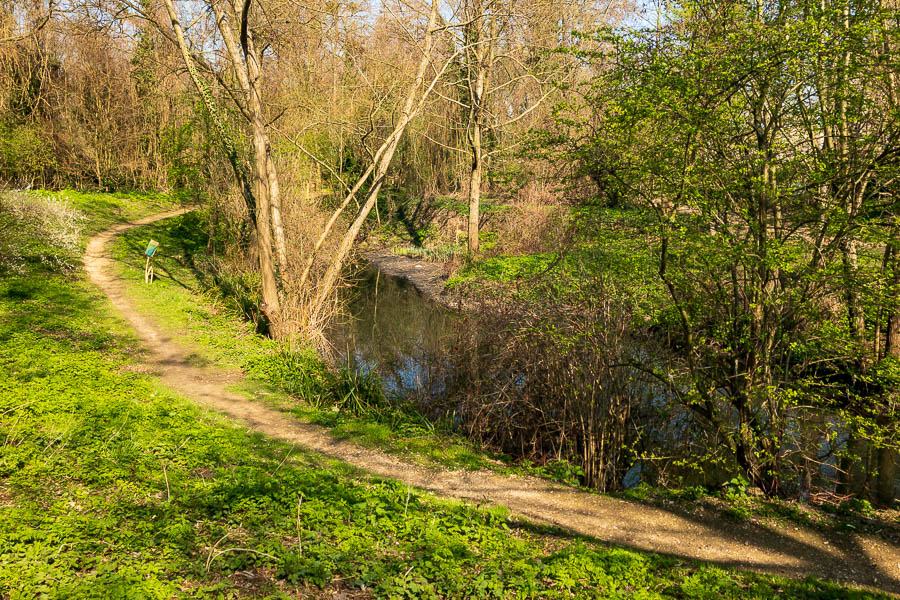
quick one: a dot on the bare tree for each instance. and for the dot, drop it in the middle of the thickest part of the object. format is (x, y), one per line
(258, 198)
(480, 36)
(414, 99)
(509, 71)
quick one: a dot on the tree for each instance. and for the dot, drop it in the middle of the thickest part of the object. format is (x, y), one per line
(259, 198)
(756, 135)
(510, 67)
(415, 97)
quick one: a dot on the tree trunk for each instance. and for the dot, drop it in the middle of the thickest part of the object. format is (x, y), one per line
(258, 197)
(887, 457)
(475, 189)
(272, 183)
(271, 305)
(265, 177)
(892, 344)
(887, 474)
(892, 258)
(479, 60)
(854, 466)
(855, 314)
(275, 198)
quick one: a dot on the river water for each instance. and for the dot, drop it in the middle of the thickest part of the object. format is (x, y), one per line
(392, 329)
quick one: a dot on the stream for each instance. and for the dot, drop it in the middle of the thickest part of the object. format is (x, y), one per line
(392, 329)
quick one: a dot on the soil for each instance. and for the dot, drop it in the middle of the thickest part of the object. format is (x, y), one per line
(862, 559)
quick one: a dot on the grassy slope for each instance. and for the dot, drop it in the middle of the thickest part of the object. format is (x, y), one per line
(202, 320)
(112, 487)
(103, 209)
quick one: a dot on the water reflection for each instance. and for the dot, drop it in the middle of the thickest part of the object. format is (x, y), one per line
(394, 330)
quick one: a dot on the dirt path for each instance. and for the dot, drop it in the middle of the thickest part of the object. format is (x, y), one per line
(864, 560)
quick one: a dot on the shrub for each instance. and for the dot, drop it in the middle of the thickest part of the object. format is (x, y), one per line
(38, 230)
(24, 154)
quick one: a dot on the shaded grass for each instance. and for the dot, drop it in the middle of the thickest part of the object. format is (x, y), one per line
(740, 503)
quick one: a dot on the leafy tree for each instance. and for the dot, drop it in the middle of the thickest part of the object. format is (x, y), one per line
(762, 136)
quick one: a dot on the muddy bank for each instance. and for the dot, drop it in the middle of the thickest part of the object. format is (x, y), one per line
(426, 276)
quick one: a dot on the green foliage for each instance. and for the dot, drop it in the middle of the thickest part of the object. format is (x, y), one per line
(459, 207)
(25, 155)
(298, 373)
(503, 268)
(186, 162)
(557, 470)
(609, 244)
(102, 209)
(735, 489)
(856, 506)
(769, 233)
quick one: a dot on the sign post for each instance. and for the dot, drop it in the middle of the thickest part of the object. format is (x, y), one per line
(148, 267)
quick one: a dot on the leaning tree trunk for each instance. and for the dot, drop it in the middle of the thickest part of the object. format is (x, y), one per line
(326, 285)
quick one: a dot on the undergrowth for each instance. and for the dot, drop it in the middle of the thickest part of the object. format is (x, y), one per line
(208, 314)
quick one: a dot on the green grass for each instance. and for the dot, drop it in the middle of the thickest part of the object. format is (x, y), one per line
(114, 487)
(104, 209)
(194, 312)
(737, 502)
(438, 253)
(197, 312)
(621, 255)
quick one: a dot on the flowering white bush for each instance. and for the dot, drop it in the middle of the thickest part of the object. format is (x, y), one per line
(40, 228)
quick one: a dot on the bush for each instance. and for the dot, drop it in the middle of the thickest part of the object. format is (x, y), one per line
(24, 155)
(38, 230)
(551, 385)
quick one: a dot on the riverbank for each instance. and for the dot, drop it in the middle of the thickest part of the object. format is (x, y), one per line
(428, 277)
(751, 528)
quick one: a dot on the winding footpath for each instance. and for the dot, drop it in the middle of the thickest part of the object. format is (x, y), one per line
(860, 559)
